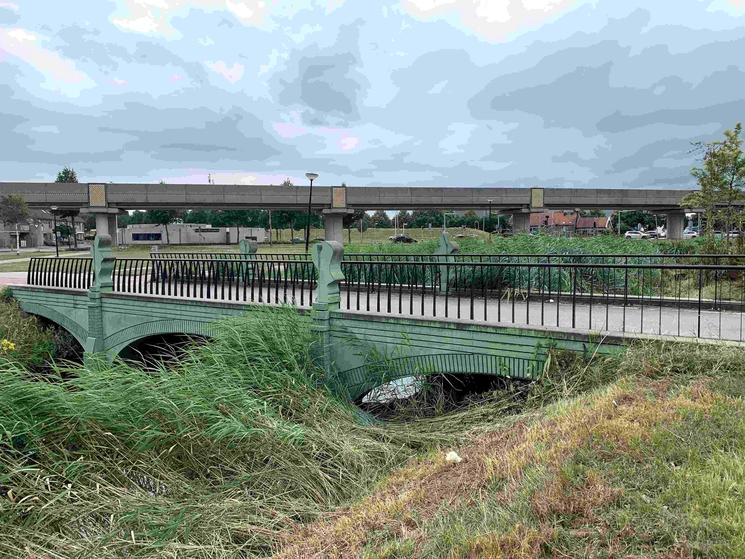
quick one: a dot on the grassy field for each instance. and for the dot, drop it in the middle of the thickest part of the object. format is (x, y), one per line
(470, 241)
(649, 465)
(237, 453)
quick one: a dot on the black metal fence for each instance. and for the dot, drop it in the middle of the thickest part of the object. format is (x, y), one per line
(69, 273)
(569, 258)
(260, 281)
(663, 299)
(227, 256)
(698, 300)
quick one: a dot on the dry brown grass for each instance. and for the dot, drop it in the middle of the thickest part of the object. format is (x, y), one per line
(419, 492)
(522, 542)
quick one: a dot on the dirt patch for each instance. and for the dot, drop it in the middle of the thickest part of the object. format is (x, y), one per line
(561, 497)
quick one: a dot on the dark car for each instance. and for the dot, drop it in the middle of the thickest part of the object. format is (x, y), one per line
(402, 239)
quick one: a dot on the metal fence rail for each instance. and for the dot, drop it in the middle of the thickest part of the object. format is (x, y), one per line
(274, 281)
(568, 258)
(227, 256)
(69, 273)
(663, 299)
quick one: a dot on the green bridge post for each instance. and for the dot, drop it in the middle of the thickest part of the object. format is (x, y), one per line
(446, 249)
(103, 267)
(247, 249)
(327, 257)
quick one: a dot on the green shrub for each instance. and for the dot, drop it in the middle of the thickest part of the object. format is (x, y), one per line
(30, 344)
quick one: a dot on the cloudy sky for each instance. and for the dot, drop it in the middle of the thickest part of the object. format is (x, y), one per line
(603, 93)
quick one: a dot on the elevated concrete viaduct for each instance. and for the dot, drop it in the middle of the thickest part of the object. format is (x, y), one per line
(105, 200)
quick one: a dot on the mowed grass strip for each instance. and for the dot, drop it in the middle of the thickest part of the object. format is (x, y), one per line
(649, 466)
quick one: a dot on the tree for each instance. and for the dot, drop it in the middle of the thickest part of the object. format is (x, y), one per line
(721, 179)
(352, 219)
(631, 219)
(13, 210)
(380, 220)
(67, 174)
(423, 218)
(162, 217)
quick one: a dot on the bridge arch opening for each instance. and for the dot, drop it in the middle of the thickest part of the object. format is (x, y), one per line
(434, 383)
(436, 393)
(160, 350)
(67, 347)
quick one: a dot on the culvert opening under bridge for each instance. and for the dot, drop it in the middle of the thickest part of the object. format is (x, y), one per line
(431, 384)
(160, 350)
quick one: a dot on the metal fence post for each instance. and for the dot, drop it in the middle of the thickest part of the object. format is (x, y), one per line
(327, 257)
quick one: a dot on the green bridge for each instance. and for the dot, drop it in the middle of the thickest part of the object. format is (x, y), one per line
(432, 314)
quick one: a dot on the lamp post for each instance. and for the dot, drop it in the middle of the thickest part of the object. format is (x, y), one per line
(490, 223)
(311, 177)
(54, 230)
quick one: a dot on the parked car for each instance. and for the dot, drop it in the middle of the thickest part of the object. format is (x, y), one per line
(689, 234)
(402, 239)
(636, 235)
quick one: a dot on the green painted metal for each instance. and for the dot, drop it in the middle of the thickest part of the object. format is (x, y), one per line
(105, 322)
(446, 251)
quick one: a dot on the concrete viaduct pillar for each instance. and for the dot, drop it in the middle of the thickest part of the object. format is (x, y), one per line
(675, 225)
(333, 217)
(520, 222)
(333, 224)
(105, 216)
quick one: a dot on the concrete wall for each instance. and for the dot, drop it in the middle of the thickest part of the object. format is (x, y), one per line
(187, 234)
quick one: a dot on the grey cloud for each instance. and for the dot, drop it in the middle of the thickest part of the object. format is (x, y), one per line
(179, 135)
(326, 81)
(8, 16)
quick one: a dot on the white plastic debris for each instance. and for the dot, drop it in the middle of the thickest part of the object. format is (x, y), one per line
(453, 458)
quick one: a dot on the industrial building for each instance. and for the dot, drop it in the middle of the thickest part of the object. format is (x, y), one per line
(187, 234)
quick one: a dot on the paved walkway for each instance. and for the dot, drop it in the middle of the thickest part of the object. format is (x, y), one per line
(12, 278)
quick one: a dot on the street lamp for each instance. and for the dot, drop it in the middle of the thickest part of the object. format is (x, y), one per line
(311, 177)
(490, 225)
(54, 230)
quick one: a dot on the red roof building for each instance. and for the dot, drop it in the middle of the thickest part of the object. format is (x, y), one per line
(567, 222)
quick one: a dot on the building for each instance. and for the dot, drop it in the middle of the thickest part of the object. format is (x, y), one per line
(567, 223)
(38, 230)
(187, 234)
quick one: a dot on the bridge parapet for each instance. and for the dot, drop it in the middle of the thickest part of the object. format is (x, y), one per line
(362, 308)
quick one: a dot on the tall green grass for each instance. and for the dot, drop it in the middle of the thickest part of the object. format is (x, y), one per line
(211, 459)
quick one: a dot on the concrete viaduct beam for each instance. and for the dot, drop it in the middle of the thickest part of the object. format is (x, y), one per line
(154, 196)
